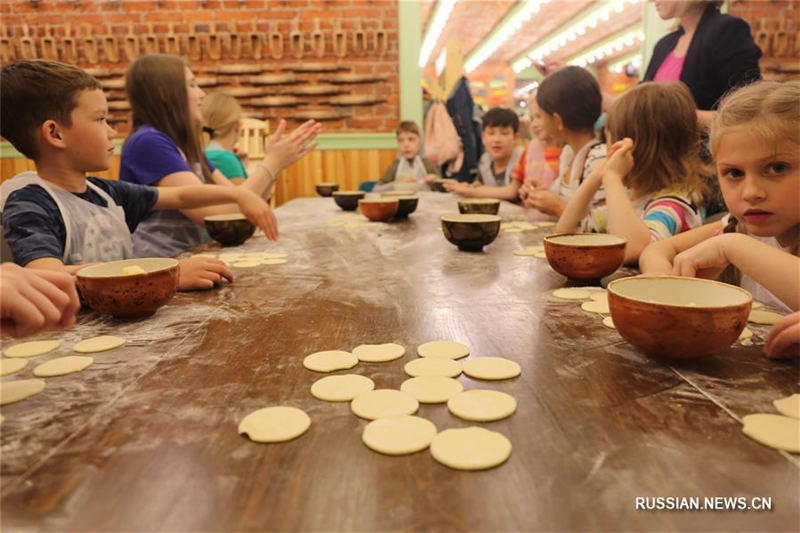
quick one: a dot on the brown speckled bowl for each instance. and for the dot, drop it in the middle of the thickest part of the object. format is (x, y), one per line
(379, 210)
(407, 203)
(348, 200)
(486, 206)
(229, 230)
(470, 232)
(108, 290)
(678, 318)
(326, 189)
(585, 256)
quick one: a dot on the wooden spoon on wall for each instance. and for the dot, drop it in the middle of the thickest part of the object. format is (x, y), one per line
(48, 45)
(339, 40)
(172, 43)
(193, 46)
(7, 51)
(317, 40)
(234, 50)
(275, 42)
(110, 46)
(131, 45)
(27, 48)
(151, 41)
(359, 40)
(213, 42)
(764, 38)
(69, 49)
(296, 41)
(380, 40)
(254, 42)
(90, 49)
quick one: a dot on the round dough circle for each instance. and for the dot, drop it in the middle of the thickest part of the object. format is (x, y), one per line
(492, 368)
(789, 406)
(31, 349)
(446, 349)
(379, 353)
(382, 403)
(330, 360)
(62, 366)
(756, 305)
(341, 388)
(248, 263)
(14, 391)
(99, 344)
(609, 322)
(471, 448)
(399, 435)
(594, 306)
(9, 366)
(599, 296)
(275, 424)
(529, 251)
(274, 261)
(763, 317)
(275, 255)
(745, 334)
(433, 366)
(432, 389)
(571, 293)
(775, 431)
(481, 405)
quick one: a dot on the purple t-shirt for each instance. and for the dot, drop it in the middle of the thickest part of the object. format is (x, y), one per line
(148, 155)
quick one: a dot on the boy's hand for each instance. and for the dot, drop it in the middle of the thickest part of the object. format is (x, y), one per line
(783, 341)
(281, 149)
(704, 260)
(258, 212)
(620, 159)
(545, 201)
(461, 189)
(202, 273)
(32, 300)
(429, 178)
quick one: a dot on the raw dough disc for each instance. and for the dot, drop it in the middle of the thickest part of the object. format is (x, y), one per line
(206, 255)
(480, 405)
(756, 305)
(446, 349)
(99, 344)
(379, 353)
(529, 250)
(775, 431)
(432, 389)
(62, 366)
(433, 366)
(274, 261)
(513, 230)
(540, 254)
(471, 448)
(609, 322)
(789, 406)
(745, 334)
(9, 366)
(492, 368)
(275, 255)
(599, 296)
(382, 403)
(763, 317)
(275, 424)
(596, 307)
(399, 435)
(249, 263)
(330, 360)
(341, 388)
(571, 294)
(31, 349)
(14, 391)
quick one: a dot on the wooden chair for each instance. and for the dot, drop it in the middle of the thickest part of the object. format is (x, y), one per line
(251, 138)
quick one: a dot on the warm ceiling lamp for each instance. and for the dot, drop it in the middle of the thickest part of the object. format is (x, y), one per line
(435, 28)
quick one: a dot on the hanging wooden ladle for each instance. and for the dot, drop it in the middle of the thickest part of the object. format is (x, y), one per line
(212, 43)
(380, 41)
(254, 42)
(90, 48)
(764, 39)
(296, 41)
(275, 42)
(780, 45)
(48, 45)
(131, 45)
(339, 40)
(7, 51)
(69, 49)
(359, 40)
(111, 46)
(27, 48)
(193, 45)
(152, 43)
(172, 43)
(317, 40)
(234, 50)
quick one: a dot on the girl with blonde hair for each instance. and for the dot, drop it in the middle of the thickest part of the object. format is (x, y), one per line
(222, 115)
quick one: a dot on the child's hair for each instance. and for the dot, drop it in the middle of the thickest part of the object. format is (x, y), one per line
(407, 126)
(501, 117)
(661, 118)
(156, 85)
(574, 94)
(221, 113)
(34, 91)
(770, 109)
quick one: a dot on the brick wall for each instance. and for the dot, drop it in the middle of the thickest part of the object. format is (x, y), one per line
(217, 36)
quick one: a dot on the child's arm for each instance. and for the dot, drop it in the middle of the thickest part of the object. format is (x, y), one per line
(578, 207)
(657, 258)
(776, 270)
(783, 340)
(193, 196)
(504, 192)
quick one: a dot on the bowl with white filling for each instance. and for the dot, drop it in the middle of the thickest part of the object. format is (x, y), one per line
(585, 256)
(230, 229)
(486, 206)
(470, 232)
(671, 317)
(129, 288)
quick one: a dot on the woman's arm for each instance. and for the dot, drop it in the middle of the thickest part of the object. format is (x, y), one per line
(657, 257)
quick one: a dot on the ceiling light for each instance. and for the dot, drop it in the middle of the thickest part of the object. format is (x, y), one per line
(443, 10)
(510, 25)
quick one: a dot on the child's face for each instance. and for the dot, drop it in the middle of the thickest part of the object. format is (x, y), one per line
(551, 126)
(499, 141)
(196, 95)
(760, 183)
(408, 144)
(537, 130)
(88, 139)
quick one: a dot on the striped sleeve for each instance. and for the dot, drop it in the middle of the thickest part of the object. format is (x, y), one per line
(669, 216)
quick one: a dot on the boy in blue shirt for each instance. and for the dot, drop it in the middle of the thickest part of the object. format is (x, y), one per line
(56, 217)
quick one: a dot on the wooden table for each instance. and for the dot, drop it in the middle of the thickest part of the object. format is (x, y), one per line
(146, 439)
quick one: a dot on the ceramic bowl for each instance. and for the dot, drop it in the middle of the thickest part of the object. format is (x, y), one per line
(585, 256)
(486, 206)
(438, 184)
(348, 200)
(470, 232)
(678, 318)
(407, 203)
(326, 189)
(107, 289)
(379, 209)
(229, 230)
